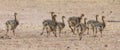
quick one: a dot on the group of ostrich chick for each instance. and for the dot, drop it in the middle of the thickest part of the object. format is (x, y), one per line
(74, 23)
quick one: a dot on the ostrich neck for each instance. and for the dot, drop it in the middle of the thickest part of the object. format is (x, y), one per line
(62, 20)
(96, 18)
(80, 18)
(85, 22)
(103, 22)
(15, 17)
(53, 18)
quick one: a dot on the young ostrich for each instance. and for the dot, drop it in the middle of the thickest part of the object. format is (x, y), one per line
(100, 26)
(73, 21)
(81, 28)
(61, 25)
(12, 24)
(90, 23)
(50, 25)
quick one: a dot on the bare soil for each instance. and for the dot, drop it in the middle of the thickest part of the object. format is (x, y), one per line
(31, 13)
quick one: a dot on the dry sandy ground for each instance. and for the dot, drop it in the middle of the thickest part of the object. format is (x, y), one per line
(31, 13)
